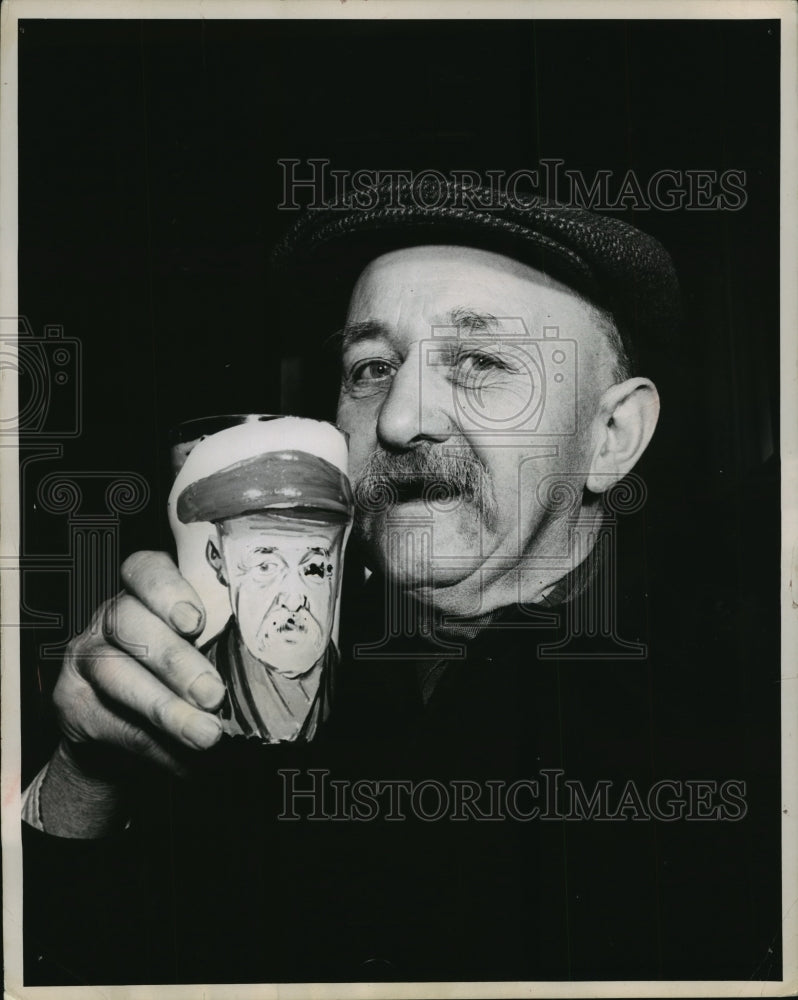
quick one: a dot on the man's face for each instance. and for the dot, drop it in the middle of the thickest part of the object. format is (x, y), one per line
(471, 369)
(282, 576)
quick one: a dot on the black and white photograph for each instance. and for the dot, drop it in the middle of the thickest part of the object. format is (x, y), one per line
(398, 498)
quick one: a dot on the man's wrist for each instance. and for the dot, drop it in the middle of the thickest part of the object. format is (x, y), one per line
(80, 796)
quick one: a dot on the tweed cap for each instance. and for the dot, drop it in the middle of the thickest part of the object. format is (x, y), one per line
(609, 262)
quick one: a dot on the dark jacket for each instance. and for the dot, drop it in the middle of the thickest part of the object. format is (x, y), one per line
(213, 882)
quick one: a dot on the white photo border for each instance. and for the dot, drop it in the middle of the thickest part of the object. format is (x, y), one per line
(785, 11)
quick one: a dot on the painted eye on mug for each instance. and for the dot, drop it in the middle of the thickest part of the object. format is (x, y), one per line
(314, 569)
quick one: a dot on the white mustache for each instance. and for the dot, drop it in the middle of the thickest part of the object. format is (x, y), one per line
(423, 472)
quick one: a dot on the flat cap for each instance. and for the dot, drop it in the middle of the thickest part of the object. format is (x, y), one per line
(609, 262)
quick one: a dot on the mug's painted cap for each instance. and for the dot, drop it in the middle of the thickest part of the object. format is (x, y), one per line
(292, 467)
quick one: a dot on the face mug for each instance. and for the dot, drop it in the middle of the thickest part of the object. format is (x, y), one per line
(261, 509)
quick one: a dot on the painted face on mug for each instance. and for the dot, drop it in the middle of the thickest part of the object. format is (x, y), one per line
(282, 576)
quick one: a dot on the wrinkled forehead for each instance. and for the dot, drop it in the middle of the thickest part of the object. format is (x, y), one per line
(287, 536)
(436, 283)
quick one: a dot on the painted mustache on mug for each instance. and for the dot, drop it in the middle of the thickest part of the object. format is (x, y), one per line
(292, 627)
(424, 473)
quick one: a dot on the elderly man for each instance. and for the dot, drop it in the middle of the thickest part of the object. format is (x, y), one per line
(490, 393)
(441, 384)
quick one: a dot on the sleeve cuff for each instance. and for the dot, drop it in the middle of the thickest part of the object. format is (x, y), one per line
(31, 801)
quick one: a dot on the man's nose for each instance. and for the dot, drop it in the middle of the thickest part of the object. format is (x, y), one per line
(292, 600)
(418, 405)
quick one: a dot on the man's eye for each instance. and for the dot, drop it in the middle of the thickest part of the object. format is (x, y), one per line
(372, 371)
(476, 363)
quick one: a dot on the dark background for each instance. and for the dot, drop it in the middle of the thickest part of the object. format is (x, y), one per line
(148, 193)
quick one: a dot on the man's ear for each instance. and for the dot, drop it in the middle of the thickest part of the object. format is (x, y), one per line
(624, 423)
(214, 557)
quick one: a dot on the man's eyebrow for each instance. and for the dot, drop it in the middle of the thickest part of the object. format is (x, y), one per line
(316, 551)
(353, 333)
(468, 320)
(264, 550)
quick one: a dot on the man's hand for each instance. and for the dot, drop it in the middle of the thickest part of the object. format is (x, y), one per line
(133, 678)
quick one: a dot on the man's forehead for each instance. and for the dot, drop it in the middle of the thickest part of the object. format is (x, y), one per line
(451, 259)
(470, 291)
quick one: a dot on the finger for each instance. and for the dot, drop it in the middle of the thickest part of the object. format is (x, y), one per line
(110, 728)
(154, 579)
(85, 720)
(173, 660)
(120, 680)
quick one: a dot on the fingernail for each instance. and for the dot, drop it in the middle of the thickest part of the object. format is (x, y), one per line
(185, 617)
(202, 730)
(207, 690)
